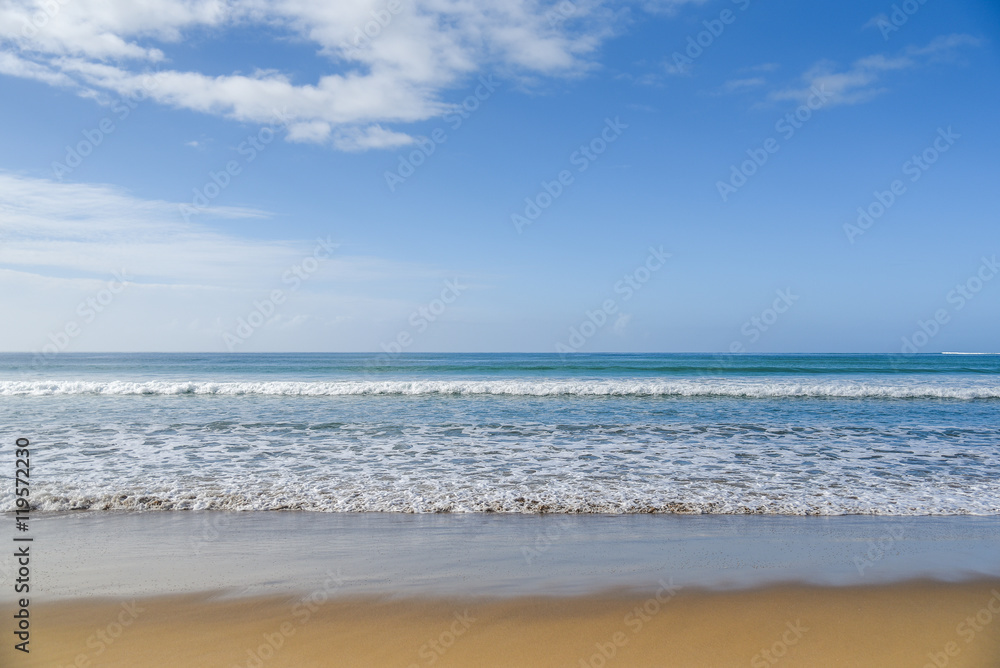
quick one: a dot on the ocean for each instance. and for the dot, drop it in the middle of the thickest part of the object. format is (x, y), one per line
(508, 433)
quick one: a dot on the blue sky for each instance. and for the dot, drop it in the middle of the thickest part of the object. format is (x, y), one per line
(222, 140)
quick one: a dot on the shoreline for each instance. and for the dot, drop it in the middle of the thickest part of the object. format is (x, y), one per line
(249, 554)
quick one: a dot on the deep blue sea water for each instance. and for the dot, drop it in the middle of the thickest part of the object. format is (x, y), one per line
(794, 434)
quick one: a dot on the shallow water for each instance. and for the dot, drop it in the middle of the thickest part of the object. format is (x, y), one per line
(789, 434)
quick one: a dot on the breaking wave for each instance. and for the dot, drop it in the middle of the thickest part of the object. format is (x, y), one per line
(762, 389)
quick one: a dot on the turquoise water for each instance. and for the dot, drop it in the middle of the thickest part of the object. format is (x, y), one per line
(792, 434)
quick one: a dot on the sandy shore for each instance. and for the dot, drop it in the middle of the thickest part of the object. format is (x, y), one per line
(255, 590)
(913, 625)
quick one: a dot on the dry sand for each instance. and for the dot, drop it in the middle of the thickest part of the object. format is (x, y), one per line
(914, 624)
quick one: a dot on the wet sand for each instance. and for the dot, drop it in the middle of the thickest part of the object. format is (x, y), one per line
(261, 553)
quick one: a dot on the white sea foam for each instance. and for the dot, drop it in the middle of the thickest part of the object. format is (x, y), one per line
(728, 467)
(960, 353)
(707, 499)
(790, 443)
(708, 387)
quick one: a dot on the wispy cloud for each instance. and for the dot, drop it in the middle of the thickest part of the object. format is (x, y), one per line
(188, 282)
(944, 47)
(741, 85)
(375, 136)
(876, 21)
(651, 79)
(668, 6)
(54, 228)
(760, 68)
(864, 79)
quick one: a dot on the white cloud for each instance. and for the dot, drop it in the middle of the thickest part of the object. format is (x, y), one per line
(622, 323)
(359, 139)
(647, 79)
(762, 67)
(72, 229)
(309, 132)
(668, 6)
(863, 80)
(382, 66)
(11, 65)
(945, 45)
(876, 21)
(677, 69)
(189, 282)
(741, 85)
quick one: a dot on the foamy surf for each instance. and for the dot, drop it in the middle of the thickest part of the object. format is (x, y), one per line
(480, 499)
(746, 389)
(831, 434)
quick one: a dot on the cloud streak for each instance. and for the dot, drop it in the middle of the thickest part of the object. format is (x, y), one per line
(864, 79)
(188, 282)
(59, 229)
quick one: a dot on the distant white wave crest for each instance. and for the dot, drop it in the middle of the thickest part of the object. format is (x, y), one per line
(762, 388)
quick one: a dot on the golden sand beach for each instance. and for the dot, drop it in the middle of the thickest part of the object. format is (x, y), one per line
(910, 625)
